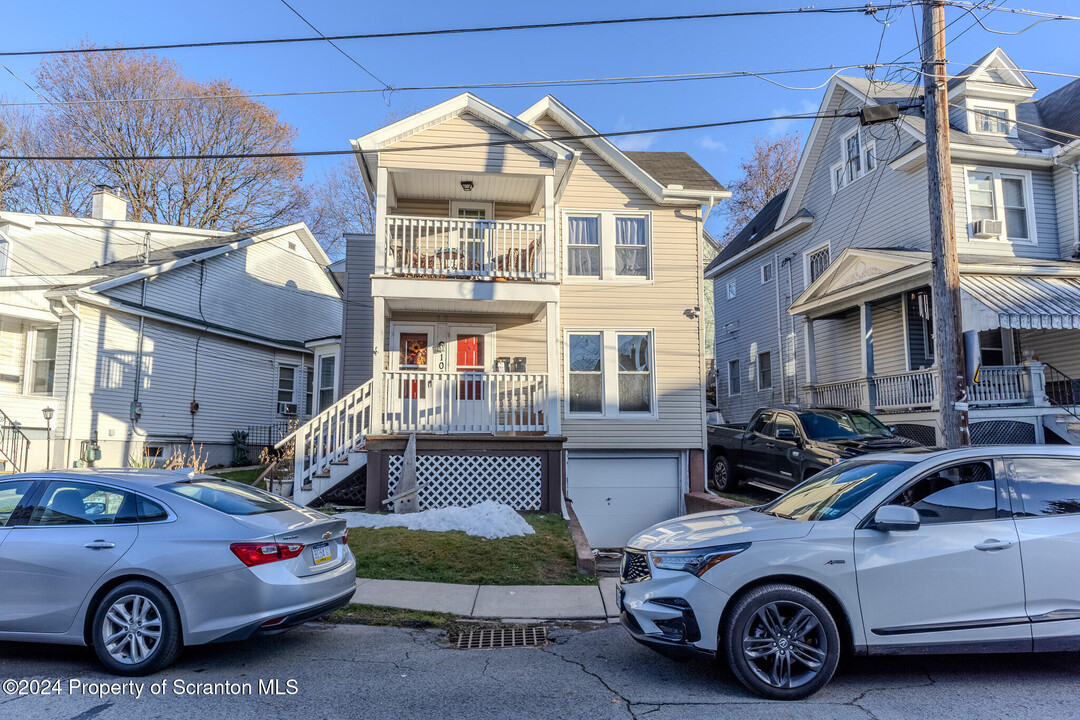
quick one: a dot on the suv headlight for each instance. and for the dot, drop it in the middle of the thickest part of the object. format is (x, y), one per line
(697, 561)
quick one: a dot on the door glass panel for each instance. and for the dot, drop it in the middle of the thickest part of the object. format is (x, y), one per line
(75, 503)
(1046, 486)
(785, 422)
(471, 239)
(761, 425)
(413, 356)
(11, 494)
(962, 493)
(470, 359)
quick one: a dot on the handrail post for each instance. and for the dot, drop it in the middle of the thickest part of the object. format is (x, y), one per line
(1037, 379)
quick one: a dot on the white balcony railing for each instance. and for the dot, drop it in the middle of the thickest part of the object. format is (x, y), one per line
(464, 402)
(1001, 385)
(846, 394)
(915, 389)
(446, 247)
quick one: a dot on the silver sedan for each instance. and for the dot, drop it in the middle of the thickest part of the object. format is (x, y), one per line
(139, 563)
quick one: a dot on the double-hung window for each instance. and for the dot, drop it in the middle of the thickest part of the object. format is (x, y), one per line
(610, 373)
(999, 195)
(853, 157)
(991, 121)
(583, 246)
(43, 364)
(608, 246)
(857, 158)
(734, 379)
(286, 388)
(764, 373)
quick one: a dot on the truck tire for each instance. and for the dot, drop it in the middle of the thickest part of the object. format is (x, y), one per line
(723, 477)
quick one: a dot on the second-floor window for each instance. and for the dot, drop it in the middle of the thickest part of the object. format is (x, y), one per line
(998, 195)
(816, 263)
(608, 246)
(44, 362)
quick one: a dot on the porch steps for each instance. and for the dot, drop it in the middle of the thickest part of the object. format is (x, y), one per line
(1064, 426)
(337, 472)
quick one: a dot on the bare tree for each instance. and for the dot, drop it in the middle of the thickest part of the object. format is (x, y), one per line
(339, 203)
(221, 194)
(766, 171)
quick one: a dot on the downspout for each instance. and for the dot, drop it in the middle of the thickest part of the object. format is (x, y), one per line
(780, 329)
(73, 374)
(794, 338)
(135, 414)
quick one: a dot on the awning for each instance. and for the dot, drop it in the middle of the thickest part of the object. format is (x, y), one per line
(1021, 301)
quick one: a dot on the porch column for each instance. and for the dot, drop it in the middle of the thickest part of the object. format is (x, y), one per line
(866, 317)
(549, 228)
(378, 363)
(811, 360)
(1037, 375)
(554, 365)
(382, 182)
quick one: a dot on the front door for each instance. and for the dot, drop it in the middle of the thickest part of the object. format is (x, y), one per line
(409, 394)
(471, 410)
(957, 579)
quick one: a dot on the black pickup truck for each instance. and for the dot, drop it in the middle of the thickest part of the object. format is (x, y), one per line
(782, 446)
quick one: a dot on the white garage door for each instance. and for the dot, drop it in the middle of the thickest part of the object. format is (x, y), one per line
(616, 496)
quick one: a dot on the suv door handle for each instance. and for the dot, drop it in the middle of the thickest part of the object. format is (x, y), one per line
(993, 544)
(99, 545)
(770, 445)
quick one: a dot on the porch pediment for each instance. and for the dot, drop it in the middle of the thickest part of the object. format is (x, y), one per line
(853, 274)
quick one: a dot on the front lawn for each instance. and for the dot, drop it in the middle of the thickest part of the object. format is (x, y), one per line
(360, 614)
(242, 476)
(545, 558)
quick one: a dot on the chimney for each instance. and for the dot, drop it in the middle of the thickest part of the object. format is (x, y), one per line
(108, 204)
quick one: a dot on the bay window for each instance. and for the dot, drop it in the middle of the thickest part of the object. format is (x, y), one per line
(610, 373)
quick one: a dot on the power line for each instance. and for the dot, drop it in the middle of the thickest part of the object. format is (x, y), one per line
(571, 82)
(1014, 11)
(450, 146)
(334, 45)
(867, 9)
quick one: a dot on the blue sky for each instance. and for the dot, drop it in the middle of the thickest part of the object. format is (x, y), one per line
(327, 122)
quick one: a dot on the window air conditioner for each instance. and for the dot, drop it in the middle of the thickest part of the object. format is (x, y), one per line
(286, 408)
(988, 228)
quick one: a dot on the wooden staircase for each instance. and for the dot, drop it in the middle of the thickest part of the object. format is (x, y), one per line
(329, 448)
(14, 445)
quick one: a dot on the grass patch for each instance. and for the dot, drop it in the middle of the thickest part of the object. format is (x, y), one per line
(545, 558)
(360, 614)
(740, 498)
(242, 476)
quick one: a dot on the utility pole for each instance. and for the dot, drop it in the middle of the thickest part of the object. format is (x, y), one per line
(948, 324)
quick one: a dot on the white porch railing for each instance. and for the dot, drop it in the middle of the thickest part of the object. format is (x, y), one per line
(915, 389)
(1001, 385)
(329, 436)
(447, 247)
(464, 402)
(847, 394)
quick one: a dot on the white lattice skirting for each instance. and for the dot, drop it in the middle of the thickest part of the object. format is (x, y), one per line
(465, 480)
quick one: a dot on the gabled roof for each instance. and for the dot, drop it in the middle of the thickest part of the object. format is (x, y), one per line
(675, 168)
(996, 60)
(1060, 110)
(757, 229)
(653, 187)
(118, 268)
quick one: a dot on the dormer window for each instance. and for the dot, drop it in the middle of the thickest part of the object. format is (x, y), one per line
(993, 121)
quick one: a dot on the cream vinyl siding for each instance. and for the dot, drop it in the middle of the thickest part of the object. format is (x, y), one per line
(514, 336)
(441, 209)
(659, 305)
(1056, 347)
(461, 130)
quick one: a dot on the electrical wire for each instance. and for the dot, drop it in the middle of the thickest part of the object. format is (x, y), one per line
(334, 45)
(865, 9)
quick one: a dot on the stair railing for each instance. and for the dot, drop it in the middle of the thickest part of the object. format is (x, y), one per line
(1061, 390)
(14, 445)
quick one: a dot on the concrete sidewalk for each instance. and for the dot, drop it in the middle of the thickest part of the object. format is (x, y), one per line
(507, 602)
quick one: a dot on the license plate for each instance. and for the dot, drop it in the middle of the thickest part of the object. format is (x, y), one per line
(321, 552)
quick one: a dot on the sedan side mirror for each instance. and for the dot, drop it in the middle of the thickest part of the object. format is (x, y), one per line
(893, 429)
(896, 518)
(786, 434)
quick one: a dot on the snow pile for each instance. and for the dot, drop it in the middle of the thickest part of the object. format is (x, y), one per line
(488, 519)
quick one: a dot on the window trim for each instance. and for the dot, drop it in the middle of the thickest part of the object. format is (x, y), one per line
(485, 205)
(31, 360)
(833, 183)
(277, 388)
(609, 368)
(757, 365)
(766, 280)
(606, 247)
(732, 290)
(827, 245)
(738, 374)
(999, 204)
(972, 108)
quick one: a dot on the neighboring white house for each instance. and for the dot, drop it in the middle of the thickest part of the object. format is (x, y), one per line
(143, 338)
(824, 298)
(530, 307)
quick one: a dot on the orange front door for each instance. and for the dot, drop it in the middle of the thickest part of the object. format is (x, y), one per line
(470, 359)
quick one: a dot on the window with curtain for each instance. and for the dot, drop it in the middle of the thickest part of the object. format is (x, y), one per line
(44, 362)
(631, 247)
(586, 377)
(635, 373)
(583, 246)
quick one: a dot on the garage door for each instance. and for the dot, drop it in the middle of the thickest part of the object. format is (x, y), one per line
(617, 496)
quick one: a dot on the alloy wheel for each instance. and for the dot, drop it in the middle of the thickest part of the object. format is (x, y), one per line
(785, 644)
(720, 474)
(131, 629)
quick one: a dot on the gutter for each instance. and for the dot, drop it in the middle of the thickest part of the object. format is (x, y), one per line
(73, 367)
(785, 231)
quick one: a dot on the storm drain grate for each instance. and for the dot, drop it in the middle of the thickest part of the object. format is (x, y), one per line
(498, 638)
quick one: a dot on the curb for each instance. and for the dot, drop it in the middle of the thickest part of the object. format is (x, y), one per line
(586, 560)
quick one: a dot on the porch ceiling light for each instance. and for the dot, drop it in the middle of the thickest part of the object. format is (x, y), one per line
(467, 185)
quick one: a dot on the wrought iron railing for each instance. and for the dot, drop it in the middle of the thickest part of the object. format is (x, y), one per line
(14, 445)
(1062, 391)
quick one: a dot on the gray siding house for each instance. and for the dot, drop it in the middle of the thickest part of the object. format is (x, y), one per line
(143, 338)
(823, 299)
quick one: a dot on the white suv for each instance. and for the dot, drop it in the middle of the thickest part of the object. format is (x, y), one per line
(953, 551)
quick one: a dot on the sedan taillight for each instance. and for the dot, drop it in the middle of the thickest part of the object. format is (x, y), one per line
(345, 537)
(261, 553)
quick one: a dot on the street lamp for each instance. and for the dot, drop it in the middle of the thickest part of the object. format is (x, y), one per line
(48, 412)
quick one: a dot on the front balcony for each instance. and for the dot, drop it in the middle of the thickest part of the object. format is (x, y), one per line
(469, 402)
(430, 247)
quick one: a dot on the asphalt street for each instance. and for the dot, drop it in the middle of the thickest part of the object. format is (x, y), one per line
(347, 671)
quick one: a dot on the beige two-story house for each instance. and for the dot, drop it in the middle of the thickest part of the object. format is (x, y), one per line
(529, 307)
